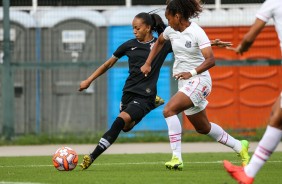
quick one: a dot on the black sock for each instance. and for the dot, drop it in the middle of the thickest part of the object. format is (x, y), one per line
(108, 138)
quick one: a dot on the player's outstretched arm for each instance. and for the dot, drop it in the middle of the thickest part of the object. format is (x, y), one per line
(146, 68)
(99, 71)
(219, 43)
(249, 37)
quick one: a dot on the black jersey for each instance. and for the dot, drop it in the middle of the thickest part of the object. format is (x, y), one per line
(137, 54)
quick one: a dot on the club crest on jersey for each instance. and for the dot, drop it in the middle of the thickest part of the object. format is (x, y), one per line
(152, 45)
(188, 44)
(148, 90)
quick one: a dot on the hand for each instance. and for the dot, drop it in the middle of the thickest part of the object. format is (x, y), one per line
(183, 75)
(219, 43)
(84, 85)
(146, 69)
(238, 49)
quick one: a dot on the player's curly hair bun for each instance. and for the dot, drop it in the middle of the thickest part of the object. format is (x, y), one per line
(186, 8)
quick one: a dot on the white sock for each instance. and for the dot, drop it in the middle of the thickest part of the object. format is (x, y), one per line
(218, 134)
(267, 145)
(174, 132)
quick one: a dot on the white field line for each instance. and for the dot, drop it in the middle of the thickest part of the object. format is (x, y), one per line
(132, 163)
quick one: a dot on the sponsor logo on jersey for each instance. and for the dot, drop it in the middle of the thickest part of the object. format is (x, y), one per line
(148, 90)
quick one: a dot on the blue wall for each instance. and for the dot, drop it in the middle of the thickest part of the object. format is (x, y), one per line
(117, 76)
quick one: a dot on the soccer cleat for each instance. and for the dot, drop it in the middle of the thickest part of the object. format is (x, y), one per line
(87, 161)
(244, 153)
(238, 173)
(175, 164)
(158, 101)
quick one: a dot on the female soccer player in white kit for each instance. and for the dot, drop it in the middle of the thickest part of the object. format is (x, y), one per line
(272, 136)
(193, 57)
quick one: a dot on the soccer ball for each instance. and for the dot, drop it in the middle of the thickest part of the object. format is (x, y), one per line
(65, 159)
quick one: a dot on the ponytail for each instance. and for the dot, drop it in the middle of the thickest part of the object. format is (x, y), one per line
(158, 24)
(154, 20)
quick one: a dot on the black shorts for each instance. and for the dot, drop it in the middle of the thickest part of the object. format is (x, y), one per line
(137, 106)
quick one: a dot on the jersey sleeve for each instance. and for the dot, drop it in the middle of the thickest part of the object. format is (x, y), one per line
(120, 51)
(266, 10)
(166, 32)
(202, 38)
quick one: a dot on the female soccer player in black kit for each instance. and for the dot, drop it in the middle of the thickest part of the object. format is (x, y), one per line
(139, 92)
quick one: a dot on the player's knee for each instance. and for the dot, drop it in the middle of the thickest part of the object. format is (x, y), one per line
(276, 119)
(167, 112)
(128, 127)
(203, 131)
(201, 127)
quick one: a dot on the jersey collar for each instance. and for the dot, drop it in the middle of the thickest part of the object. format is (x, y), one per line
(147, 41)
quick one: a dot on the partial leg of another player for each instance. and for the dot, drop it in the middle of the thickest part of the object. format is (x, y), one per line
(267, 145)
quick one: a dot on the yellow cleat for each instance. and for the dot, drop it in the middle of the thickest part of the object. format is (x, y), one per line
(244, 153)
(174, 164)
(87, 161)
(158, 101)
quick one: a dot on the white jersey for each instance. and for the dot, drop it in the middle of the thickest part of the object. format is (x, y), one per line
(272, 9)
(187, 47)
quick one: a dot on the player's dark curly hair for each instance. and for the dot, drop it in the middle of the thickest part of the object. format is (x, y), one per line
(186, 8)
(154, 20)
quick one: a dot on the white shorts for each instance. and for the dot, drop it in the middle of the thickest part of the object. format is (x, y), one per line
(197, 89)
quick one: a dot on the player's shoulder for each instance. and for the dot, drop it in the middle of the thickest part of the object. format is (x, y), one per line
(196, 29)
(169, 32)
(130, 42)
(169, 29)
(196, 26)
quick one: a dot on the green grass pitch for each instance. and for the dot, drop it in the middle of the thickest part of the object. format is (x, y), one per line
(199, 168)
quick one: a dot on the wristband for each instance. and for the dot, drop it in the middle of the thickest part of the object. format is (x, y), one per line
(193, 72)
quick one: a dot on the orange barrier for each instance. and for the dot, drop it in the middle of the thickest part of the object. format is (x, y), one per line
(266, 45)
(242, 96)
